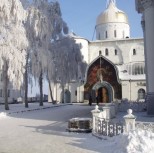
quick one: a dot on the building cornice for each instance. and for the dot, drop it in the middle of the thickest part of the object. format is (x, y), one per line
(142, 5)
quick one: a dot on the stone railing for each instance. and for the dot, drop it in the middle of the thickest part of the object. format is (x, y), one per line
(102, 126)
(107, 128)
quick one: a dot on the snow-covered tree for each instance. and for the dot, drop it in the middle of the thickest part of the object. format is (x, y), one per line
(44, 24)
(13, 44)
(67, 61)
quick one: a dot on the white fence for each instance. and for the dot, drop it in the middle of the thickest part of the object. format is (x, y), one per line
(105, 128)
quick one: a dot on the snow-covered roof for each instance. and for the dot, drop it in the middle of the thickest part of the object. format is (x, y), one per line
(75, 36)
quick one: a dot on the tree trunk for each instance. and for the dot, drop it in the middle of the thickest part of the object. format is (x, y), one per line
(26, 84)
(41, 88)
(63, 94)
(52, 100)
(5, 84)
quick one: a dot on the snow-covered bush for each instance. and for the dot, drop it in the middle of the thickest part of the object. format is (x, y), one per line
(138, 141)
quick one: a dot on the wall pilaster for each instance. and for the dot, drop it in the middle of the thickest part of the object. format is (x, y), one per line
(146, 7)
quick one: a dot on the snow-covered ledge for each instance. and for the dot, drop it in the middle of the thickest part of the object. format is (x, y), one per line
(129, 121)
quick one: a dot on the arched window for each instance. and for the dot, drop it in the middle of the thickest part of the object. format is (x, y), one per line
(115, 33)
(99, 36)
(106, 52)
(134, 51)
(1, 77)
(1, 93)
(106, 34)
(100, 52)
(141, 94)
(115, 51)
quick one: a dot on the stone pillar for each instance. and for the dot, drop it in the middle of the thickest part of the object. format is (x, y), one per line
(95, 113)
(107, 109)
(129, 121)
(146, 7)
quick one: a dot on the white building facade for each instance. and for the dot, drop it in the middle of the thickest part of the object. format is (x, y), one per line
(116, 65)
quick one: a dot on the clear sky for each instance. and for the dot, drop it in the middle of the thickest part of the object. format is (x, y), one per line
(80, 15)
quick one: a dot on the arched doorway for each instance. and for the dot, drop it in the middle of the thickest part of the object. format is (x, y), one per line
(66, 97)
(103, 92)
(103, 74)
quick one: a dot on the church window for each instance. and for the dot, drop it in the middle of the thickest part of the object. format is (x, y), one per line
(75, 92)
(115, 33)
(1, 93)
(141, 94)
(106, 34)
(106, 52)
(1, 77)
(100, 52)
(99, 36)
(134, 51)
(138, 69)
(115, 51)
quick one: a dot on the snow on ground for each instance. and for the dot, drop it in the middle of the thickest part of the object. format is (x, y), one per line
(44, 130)
(3, 115)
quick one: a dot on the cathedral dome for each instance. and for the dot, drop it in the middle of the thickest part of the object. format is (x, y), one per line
(112, 15)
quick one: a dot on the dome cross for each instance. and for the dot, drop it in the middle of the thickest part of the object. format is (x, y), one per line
(110, 1)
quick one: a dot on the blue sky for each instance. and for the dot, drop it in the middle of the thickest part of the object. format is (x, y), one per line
(80, 15)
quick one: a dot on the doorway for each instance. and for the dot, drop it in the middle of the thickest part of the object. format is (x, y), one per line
(102, 94)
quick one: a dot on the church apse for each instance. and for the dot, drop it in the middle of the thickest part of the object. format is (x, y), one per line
(102, 82)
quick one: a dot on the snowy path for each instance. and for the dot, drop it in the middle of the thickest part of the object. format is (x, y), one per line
(43, 131)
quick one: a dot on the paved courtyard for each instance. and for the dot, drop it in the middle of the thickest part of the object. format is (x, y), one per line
(44, 131)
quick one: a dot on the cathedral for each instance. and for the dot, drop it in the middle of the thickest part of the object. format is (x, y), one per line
(115, 63)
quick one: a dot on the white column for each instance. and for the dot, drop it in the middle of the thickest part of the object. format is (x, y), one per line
(129, 121)
(95, 114)
(149, 42)
(147, 8)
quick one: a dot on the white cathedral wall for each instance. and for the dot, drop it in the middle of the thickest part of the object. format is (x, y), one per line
(90, 51)
(84, 47)
(72, 87)
(73, 90)
(94, 49)
(56, 91)
(122, 31)
(130, 89)
(125, 56)
(124, 49)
